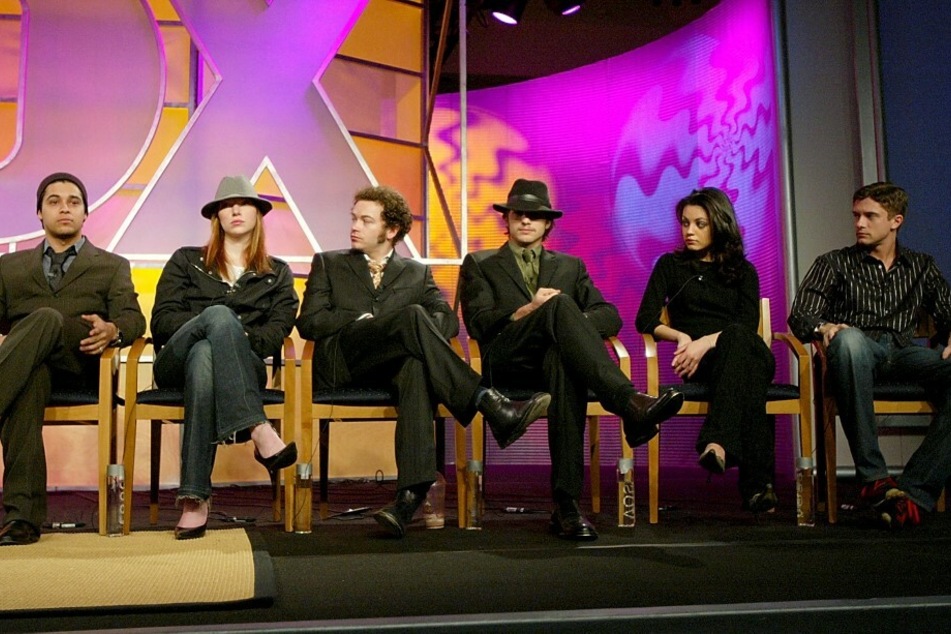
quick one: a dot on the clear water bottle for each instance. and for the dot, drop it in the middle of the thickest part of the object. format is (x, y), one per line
(115, 499)
(303, 497)
(434, 508)
(625, 492)
(474, 495)
(805, 493)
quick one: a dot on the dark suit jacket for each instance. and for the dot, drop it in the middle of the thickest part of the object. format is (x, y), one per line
(339, 289)
(97, 282)
(492, 288)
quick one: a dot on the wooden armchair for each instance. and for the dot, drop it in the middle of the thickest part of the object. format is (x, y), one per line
(890, 397)
(594, 413)
(165, 405)
(92, 407)
(780, 398)
(356, 404)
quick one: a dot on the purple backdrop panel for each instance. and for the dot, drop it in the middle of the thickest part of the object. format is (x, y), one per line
(620, 141)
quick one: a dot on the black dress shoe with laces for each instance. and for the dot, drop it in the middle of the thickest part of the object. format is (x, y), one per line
(568, 522)
(18, 533)
(508, 419)
(642, 414)
(395, 516)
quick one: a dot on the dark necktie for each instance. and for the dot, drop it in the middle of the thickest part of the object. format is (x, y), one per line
(531, 270)
(57, 260)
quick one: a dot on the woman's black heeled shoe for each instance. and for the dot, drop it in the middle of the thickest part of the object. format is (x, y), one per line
(191, 533)
(763, 501)
(282, 459)
(713, 463)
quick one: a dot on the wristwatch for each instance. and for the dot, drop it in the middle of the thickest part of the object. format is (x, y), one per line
(818, 332)
(117, 342)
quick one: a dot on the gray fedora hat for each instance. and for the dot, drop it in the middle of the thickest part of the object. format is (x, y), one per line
(529, 196)
(235, 187)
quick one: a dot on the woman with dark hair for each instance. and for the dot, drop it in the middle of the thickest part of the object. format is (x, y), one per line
(219, 311)
(711, 293)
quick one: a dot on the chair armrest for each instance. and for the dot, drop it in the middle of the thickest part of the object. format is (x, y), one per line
(132, 368)
(621, 354)
(475, 355)
(653, 367)
(108, 375)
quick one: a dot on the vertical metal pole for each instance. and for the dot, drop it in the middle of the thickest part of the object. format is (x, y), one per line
(463, 134)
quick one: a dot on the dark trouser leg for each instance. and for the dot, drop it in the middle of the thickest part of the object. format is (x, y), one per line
(930, 466)
(560, 322)
(566, 422)
(25, 355)
(198, 431)
(371, 343)
(852, 361)
(739, 371)
(24, 458)
(415, 443)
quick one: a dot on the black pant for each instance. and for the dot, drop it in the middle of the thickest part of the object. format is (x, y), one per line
(739, 371)
(555, 348)
(32, 356)
(405, 351)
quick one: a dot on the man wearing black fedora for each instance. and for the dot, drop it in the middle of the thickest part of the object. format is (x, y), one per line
(540, 322)
(62, 304)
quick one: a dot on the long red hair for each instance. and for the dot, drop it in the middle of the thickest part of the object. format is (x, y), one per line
(255, 255)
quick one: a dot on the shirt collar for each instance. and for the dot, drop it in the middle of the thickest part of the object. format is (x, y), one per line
(76, 247)
(384, 260)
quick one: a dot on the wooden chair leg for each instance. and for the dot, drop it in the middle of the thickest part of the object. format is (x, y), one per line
(323, 442)
(460, 441)
(653, 479)
(594, 462)
(154, 470)
(829, 441)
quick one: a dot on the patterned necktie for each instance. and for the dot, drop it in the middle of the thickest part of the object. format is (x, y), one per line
(57, 260)
(376, 272)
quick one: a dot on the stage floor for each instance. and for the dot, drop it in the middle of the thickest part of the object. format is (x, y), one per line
(706, 567)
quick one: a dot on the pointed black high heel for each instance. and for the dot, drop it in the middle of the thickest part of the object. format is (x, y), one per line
(712, 462)
(281, 460)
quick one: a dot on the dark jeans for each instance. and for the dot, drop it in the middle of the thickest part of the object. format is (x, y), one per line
(855, 361)
(210, 358)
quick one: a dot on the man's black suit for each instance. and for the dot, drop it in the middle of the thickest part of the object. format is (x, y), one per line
(404, 344)
(558, 347)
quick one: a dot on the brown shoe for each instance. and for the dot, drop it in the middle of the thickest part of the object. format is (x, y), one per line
(18, 533)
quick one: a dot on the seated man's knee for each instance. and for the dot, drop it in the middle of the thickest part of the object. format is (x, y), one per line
(45, 316)
(848, 343)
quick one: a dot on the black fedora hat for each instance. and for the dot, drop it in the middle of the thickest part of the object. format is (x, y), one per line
(527, 195)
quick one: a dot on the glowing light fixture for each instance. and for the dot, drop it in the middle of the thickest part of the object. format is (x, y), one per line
(506, 11)
(565, 7)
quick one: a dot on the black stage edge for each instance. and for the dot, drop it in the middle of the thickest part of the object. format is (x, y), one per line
(706, 567)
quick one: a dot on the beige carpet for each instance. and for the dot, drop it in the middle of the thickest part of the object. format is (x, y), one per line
(70, 571)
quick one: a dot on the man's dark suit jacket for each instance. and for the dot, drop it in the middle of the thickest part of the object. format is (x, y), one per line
(492, 288)
(339, 289)
(97, 282)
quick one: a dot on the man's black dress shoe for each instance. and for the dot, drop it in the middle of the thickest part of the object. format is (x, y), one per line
(642, 414)
(18, 533)
(509, 420)
(568, 523)
(395, 516)
(195, 532)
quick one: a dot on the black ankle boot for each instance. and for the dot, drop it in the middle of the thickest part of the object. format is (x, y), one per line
(395, 516)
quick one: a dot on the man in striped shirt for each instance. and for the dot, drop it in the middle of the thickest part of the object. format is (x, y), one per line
(863, 302)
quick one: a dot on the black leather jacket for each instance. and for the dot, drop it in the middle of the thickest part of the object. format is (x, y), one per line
(265, 303)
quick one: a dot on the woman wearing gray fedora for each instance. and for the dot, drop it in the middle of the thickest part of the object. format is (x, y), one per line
(220, 310)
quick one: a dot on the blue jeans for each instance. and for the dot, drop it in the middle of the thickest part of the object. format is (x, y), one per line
(211, 360)
(855, 361)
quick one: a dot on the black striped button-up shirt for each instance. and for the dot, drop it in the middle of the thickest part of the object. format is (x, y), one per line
(849, 286)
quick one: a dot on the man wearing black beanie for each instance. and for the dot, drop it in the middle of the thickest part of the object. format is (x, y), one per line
(62, 304)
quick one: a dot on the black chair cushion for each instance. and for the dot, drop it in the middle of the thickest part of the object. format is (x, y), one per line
(174, 397)
(357, 396)
(78, 397)
(701, 391)
(896, 391)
